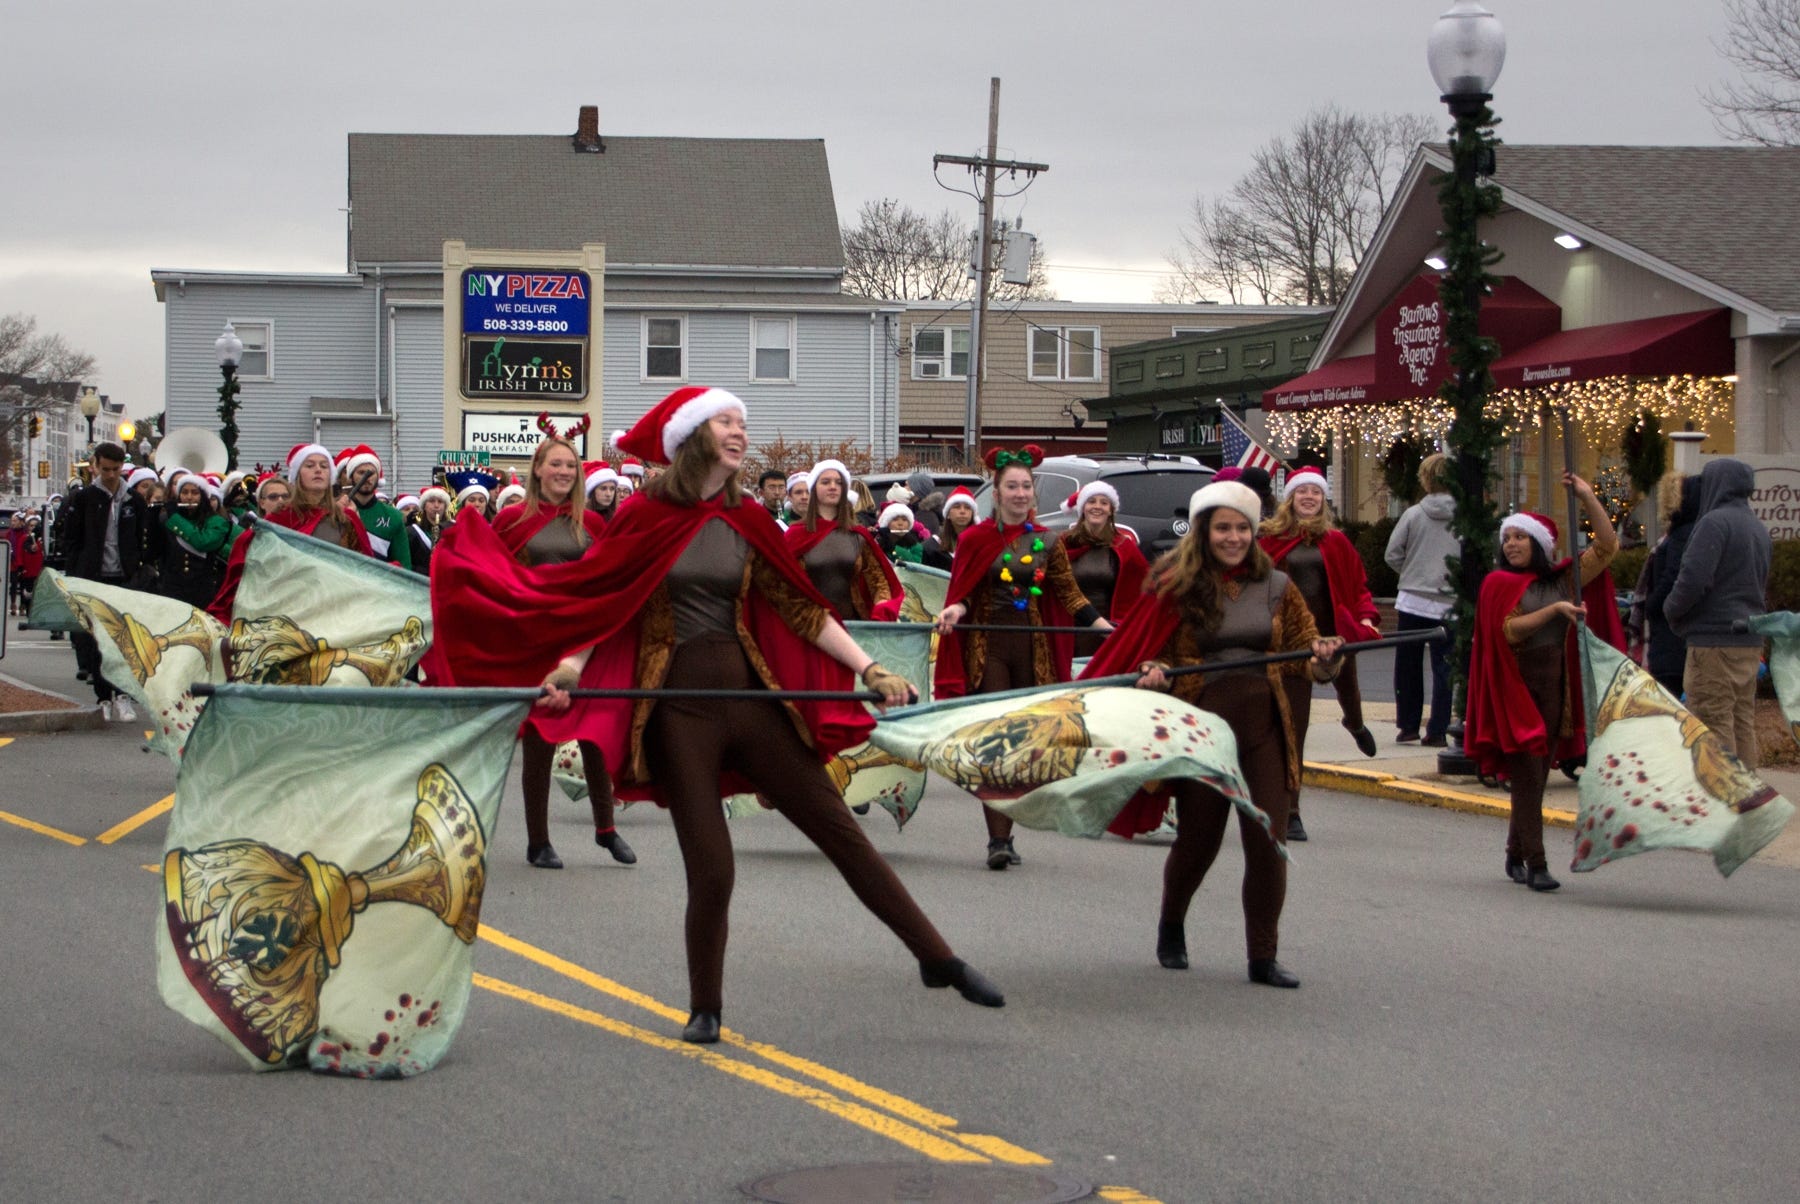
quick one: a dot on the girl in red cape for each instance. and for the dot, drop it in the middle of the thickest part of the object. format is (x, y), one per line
(601, 487)
(1304, 543)
(311, 509)
(840, 558)
(1108, 566)
(1008, 569)
(554, 526)
(1524, 707)
(1216, 597)
(692, 588)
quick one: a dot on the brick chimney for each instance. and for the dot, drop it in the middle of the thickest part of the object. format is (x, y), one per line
(587, 131)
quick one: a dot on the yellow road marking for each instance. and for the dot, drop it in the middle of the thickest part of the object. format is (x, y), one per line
(993, 1147)
(43, 829)
(5, 740)
(1125, 1195)
(137, 821)
(929, 1144)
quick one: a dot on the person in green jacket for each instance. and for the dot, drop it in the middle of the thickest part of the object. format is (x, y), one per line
(359, 473)
(196, 538)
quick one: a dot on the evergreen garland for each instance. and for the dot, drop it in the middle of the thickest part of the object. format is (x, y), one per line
(228, 404)
(1466, 198)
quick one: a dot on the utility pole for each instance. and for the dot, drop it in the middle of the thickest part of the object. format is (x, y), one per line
(988, 165)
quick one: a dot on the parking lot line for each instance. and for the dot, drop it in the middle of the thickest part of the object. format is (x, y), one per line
(126, 827)
(43, 829)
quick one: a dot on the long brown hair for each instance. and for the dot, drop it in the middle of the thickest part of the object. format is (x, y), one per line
(1190, 573)
(299, 500)
(534, 493)
(1284, 522)
(686, 477)
(947, 532)
(846, 507)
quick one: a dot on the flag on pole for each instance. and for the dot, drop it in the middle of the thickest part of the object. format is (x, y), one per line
(323, 873)
(1658, 778)
(1240, 448)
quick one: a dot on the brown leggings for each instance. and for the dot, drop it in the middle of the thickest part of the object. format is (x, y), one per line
(1009, 666)
(689, 742)
(1526, 774)
(537, 759)
(1247, 704)
(1299, 689)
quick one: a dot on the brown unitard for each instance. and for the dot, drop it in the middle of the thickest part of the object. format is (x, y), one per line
(686, 745)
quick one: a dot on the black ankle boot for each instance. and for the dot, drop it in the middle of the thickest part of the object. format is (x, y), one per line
(1296, 831)
(1540, 880)
(1515, 869)
(612, 842)
(702, 1028)
(999, 854)
(1171, 946)
(543, 857)
(954, 972)
(1271, 973)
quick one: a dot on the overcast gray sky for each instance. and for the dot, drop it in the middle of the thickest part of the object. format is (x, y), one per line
(208, 135)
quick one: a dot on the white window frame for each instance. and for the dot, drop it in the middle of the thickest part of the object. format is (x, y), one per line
(947, 358)
(792, 337)
(644, 321)
(268, 328)
(1061, 334)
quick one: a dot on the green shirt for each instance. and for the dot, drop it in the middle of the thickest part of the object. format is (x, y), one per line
(387, 532)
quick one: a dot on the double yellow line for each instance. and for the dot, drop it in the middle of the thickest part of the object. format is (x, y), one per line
(112, 834)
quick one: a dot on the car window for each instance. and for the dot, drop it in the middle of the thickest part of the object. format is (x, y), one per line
(1160, 495)
(1053, 489)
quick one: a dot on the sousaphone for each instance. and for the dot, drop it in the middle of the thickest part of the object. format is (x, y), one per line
(194, 448)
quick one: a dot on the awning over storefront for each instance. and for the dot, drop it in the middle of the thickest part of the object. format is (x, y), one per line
(1690, 344)
(1342, 382)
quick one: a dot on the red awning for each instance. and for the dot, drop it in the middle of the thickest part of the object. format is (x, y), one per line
(1344, 382)
(1693, 344)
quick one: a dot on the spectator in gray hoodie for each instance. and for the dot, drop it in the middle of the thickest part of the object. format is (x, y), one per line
(1723, 579)
(1418, 550)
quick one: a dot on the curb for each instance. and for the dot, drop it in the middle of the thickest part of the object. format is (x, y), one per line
(1372, 783)
(78, 718)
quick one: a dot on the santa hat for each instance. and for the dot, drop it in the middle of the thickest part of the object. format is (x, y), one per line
(215, 485)
(140, 475)
(960, 496)
(232, 478)
(298, 456)
(353, 458)
(669, 423)
(599, 472)
(431, 491)
(1541, 527)
(514, 491)
(1093, 489)
(797, 478)
(264, 480)
(407, 502)
(818, 470)
(1303, 476)
(167, 473)
(1229, 494)
(894, 510)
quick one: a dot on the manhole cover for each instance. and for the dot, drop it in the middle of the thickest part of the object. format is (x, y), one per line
(913, 1183)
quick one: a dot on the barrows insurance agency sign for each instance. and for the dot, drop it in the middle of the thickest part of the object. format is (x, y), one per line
(525, 333)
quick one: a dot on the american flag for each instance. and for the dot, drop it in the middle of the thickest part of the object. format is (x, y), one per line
(1241, 449)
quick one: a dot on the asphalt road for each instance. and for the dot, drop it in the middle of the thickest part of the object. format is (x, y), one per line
(1631, 1038)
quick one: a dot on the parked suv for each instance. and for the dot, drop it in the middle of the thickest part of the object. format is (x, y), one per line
(1153, 492)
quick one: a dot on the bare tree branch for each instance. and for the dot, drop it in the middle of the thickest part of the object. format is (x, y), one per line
(1762, 40)
(895, 252)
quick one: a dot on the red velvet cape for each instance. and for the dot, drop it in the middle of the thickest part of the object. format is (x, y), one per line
(976, 549)
(498, 623)
(515, 530)
(1501, 719)
(304, 521)
(1127, 586)
(1345, 579)
(800, 541)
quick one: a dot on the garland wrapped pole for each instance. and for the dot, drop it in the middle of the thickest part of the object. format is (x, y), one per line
(1466, 50)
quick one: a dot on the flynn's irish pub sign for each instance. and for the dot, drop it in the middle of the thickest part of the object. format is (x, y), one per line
(525, 333)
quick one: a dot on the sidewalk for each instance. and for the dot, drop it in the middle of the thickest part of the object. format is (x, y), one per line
(1408, 773)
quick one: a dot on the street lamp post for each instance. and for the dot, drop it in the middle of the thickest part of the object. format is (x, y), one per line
(231, 350)
(90, 410)
(1465, 51)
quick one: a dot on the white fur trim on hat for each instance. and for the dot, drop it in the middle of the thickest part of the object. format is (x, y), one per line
(1229, 494)
(427, 493)
(892, 511)
(300, 456)
(406, 502)
(812, 478)
(797, 478)
(695, 413)
(630, 469)
(468, 491)
(515, 490)
(207, 488)
(140, 475)
(599, 476)
(1090, 490)
(1532, 527)
(1303, 476)
(352, 463)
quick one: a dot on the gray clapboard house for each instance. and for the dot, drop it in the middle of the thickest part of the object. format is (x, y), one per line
(723, 267)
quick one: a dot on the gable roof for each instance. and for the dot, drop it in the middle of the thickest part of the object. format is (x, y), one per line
(739, 203)
(1721, 220)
